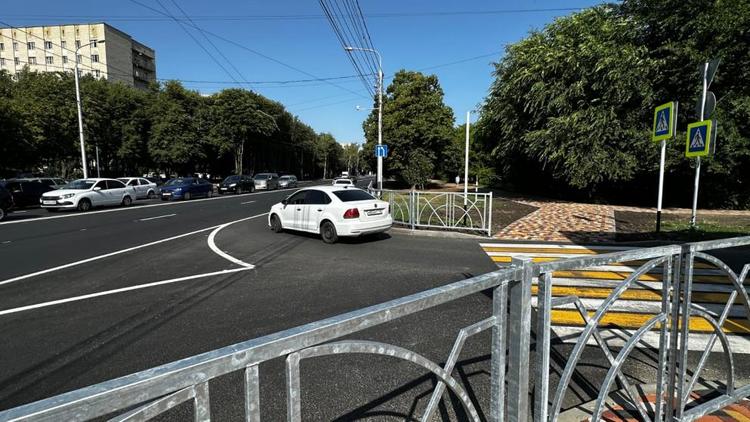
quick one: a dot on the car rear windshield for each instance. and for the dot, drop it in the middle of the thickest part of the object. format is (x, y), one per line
(262, 176)
(177, 182)
(351, 195)
(232, 179)
(80, 184)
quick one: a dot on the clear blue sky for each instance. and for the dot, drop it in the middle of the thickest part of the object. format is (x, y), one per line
(308, 43)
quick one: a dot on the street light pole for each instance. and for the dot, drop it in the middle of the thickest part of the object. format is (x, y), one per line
(380, 107)
(80, 116)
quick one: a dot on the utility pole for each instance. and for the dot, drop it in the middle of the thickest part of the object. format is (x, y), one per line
(80, 114)
(696, 182)
(466, 160)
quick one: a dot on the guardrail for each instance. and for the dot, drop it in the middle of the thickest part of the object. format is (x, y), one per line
(146, 394)
(440, 210)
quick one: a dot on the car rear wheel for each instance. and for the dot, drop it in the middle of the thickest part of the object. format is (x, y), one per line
(186, 196)
(84, 205)
(276, 224)
(127, 201)
(3, 213)
(328, 232)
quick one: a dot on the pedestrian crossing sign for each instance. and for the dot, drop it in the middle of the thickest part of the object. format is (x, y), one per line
(664, 121)
(701, 139)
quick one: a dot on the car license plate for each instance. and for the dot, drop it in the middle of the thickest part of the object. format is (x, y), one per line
(167, 194)
(374, 212)
(49, 202)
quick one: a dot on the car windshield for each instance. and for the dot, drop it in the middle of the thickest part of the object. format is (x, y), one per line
(177, 182)
(262, 176)
(124, 180)
(284, 178)
(350, 195)
(232, 179)
(80, 184)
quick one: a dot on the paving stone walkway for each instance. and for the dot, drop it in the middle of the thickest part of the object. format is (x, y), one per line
(563, 222)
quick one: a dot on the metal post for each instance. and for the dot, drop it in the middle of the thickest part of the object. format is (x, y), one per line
(466, 160)
(499, 343)
(688, 259)
(694, 215)
(544, 321)
(98, 170)
(519, 341)
(380, 121)
(80, 121)
(661, 185)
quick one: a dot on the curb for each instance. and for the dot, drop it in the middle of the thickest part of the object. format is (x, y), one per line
(431, 233)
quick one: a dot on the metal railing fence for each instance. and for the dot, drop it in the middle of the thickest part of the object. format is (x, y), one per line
(441, 210)
(145, 394)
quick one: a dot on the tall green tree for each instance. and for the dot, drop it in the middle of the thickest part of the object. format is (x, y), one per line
(414, 117)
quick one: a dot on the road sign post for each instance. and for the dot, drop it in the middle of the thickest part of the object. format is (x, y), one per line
(665, 123)
(707, 72)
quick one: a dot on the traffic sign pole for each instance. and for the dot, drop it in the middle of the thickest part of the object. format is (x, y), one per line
(661, 185)
(696, 183)
(665, 127)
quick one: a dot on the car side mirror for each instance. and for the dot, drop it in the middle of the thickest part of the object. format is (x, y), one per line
(97, 188)
(284, 202)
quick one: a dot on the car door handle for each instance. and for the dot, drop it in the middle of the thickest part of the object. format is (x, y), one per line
(320, 209)
(299, 209)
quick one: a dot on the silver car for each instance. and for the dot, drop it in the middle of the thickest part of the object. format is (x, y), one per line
(266, 181)
(288, 181)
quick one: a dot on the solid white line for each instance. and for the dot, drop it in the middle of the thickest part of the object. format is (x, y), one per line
(246, 202)
(154, 218)
(31, 220)
(107, 255)
(557, 246)
(19, 212)
(212, 243)
(121, 290)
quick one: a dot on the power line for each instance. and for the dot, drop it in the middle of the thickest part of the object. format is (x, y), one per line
(265, 56)
(134, 18)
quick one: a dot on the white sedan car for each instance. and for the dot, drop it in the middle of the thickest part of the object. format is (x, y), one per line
(332, 212)
(143, 188)
(340, 182)
(84, 194)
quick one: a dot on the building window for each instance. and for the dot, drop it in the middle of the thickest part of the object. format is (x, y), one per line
(49, 60)
(78, 43)
(65, 59)
(97, 73)
(2, 61)
(94, 58)
(30, 45)
(78, 58)
(32, 60)
(48, 45)
(2, 46)
(62, 44)
(15, 46)
(93, 43)
(16, 61)
(80, 73)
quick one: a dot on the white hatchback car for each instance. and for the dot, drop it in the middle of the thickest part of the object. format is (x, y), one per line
(332, 212)
(143, 188)
(84, 194)
(340, 182)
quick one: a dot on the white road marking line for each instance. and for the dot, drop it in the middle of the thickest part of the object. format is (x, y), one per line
(212, 243)
(107, 255)
(121, 290)
(557, 246)
(31, 220)
(154, 218)
(6, 242)
(246, 202)
(19, 212)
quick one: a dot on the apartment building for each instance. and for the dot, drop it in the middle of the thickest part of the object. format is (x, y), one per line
(100, 49)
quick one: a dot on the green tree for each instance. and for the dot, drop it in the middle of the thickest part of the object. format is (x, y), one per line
(414, 117)
(418, 169)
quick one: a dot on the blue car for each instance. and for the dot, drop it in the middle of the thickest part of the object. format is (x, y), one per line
(186, 188)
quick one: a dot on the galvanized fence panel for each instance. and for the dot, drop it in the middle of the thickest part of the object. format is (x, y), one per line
(441, 210)
(143, 395)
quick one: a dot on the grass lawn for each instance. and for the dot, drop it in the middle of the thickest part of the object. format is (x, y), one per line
(633, 226)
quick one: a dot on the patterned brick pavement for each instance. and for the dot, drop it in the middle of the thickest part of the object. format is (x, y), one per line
(563, 222)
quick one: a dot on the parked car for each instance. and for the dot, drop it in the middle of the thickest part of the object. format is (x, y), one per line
(266, 181)
(332, 212)
(288, 181)
(84, 194)
(237, 184)
(26, 192)
(143, 187)
(6, 203)
(186, 188)
(342, 182)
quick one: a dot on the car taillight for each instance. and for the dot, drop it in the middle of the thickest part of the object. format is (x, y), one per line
(388, 209)
(351, 213)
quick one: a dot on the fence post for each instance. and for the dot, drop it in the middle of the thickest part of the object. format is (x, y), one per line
(489, 217)
(542, 347)
(499, 346)
(687, 257)
(519, 342)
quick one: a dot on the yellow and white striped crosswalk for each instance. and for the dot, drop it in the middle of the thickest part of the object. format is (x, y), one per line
(711, 288)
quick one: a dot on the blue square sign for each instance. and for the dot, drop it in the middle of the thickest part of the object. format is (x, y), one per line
(664, 120)
(700, 139)
(381, 150)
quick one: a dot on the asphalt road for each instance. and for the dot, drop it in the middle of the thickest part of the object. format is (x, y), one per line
(87, 298)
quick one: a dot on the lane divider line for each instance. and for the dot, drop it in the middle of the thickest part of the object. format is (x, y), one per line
(121, 251)
(160, 216)
(140, 207)
(212, 242)
(246, 202)
(121, 290)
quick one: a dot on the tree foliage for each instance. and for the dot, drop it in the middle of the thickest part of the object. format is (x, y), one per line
(165, 129)
(414, 117)
(571, 106)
